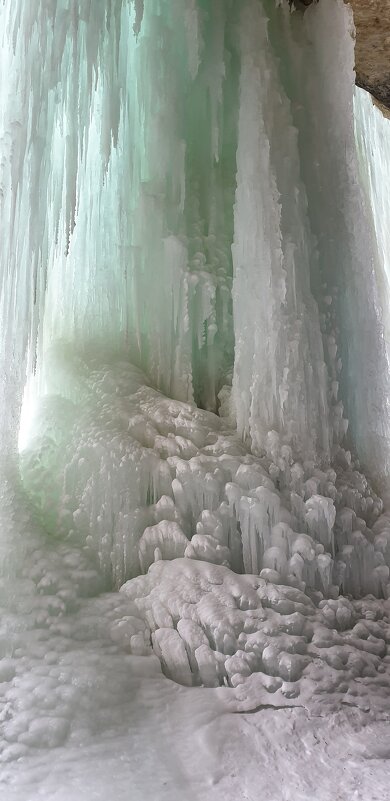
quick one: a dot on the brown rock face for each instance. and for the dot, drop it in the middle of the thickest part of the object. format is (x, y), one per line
(372, 21)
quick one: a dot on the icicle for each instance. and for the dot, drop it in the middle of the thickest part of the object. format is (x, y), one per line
(280, 379)
(139, 13)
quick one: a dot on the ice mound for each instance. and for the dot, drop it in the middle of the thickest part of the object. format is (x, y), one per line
(273, 643)
(138, 477)
(73, 656)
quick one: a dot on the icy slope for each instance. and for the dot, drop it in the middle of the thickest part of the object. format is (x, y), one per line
(138, 477)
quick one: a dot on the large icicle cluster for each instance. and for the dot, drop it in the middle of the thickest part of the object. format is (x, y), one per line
(341, 219)
(127, 134)
(120, 201)
(140, 133)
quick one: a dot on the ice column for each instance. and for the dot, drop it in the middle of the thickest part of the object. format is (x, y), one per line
(373, 138)
(280, 378)
(322, 87)
(304, 228)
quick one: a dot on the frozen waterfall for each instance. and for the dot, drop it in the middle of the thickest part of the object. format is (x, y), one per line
(194, 351)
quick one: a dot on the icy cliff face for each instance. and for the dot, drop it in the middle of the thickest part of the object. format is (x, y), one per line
(179, 194)
(123, 184)
(176, 193)
(194, 294)
(372, 131)
(161, 200)
(186, 318)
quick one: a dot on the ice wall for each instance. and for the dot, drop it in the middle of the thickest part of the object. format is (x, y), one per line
(373, 140)
(149, 146)
(181, 191)
(373, 132)
(309, 234)
(124, 131)
(122, 184)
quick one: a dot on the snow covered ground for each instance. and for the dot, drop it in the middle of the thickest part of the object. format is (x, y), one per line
(83, 719)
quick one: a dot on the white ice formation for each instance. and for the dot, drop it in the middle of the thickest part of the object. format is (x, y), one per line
(138, 477)
(69, 672)
(194, 359)
(161, 200)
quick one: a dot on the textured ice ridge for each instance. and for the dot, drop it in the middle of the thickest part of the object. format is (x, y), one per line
(73, 655)
(273, 643)
(138, 477)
